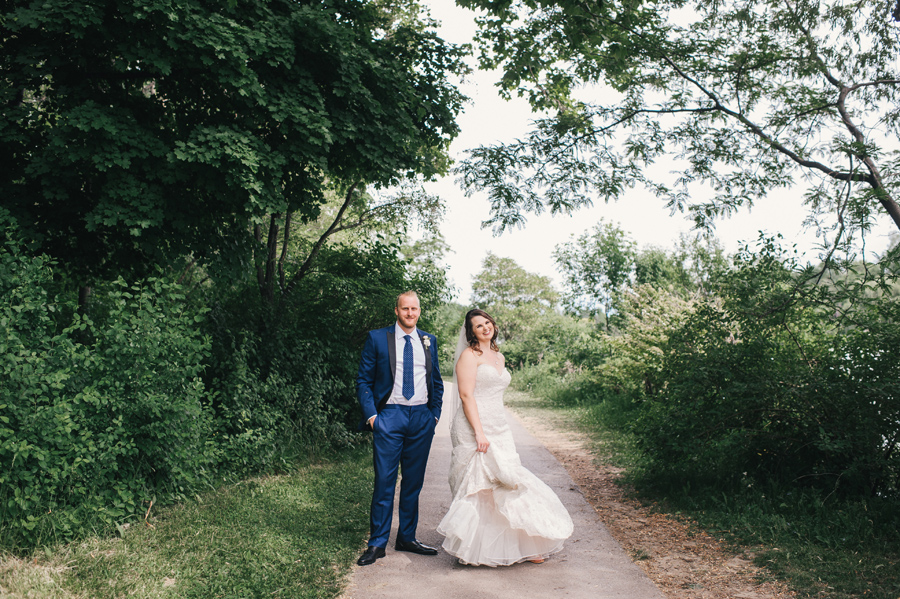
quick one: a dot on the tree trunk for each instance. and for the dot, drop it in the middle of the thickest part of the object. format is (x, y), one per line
(84, 299)
(284, 251)
(268, 287)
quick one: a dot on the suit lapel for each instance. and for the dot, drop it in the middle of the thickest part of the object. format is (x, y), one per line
(421, 337)
(392, 350)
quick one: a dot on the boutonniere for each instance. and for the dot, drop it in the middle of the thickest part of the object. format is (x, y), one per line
(426, 341)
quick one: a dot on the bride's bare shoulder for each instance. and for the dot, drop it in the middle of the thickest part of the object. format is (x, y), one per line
(468, 355)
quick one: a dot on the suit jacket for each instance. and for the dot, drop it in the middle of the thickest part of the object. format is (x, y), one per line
(377, 365)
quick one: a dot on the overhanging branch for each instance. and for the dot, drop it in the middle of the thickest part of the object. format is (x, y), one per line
(307, 264)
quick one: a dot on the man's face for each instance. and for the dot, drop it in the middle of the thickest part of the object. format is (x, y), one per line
(407, 312)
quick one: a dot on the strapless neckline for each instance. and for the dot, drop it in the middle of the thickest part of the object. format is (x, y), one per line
(494, 368)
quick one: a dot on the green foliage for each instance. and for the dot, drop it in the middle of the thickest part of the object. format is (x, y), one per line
(654, 266)
(633, 367)
(133, 133)
(750, 97)
(516, 298)
(764, 369)
(447, 323)
(561, 388)
(597, 267)
(90, 431)
(698, 261)
(292, 536)
(763, 384)
(602, 266)
(285, 376)
(566, 343)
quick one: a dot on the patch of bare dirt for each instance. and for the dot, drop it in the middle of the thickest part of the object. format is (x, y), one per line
(684, 562)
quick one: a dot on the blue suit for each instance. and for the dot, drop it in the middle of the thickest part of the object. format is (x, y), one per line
(401, 435)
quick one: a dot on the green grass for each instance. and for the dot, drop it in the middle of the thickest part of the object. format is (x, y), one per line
(289, 536)
(821, 546)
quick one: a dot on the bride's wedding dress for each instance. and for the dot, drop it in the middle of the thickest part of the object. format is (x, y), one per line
(501, 513)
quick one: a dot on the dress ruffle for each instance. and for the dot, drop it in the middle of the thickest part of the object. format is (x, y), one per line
(501, 513)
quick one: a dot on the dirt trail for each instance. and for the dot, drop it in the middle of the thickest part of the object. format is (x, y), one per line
(684, 563)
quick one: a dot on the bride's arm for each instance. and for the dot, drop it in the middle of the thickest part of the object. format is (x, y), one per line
(466, 369)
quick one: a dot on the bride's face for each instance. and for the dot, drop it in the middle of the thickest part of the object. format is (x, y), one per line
(482, 328)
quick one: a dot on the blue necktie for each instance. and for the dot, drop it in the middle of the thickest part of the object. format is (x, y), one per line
(408, 386)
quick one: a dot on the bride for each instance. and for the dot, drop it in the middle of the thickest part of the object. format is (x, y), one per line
(501, 513)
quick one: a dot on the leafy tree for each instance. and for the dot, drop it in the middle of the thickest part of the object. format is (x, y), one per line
(603, 265)
(515, 297)
(687, 270)
(565, 343)
(751, 97)
(597, 267)
(635, 356)
(654, 266)
(701, 259)
(282, 262)
(428, 252)
(134, 132)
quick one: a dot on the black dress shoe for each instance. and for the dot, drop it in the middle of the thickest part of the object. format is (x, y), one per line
(369, 556)
(415, 547)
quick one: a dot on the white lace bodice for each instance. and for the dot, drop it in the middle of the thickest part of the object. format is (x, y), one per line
(490, 384)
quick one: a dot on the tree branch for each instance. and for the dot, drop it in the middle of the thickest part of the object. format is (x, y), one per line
(768, 140)
(365, 217)
(874, 178)
(876, 82)
(307, 264)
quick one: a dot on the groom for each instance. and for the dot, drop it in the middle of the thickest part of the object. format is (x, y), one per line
(399, 388)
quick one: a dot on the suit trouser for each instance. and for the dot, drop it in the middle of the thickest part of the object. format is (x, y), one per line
(402, 438)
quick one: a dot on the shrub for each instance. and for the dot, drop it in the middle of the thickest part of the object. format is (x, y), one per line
(764, 383)
(89, 431)
(285, 375)
(570, 344)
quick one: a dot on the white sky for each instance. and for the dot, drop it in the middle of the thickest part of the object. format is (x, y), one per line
(489, 119)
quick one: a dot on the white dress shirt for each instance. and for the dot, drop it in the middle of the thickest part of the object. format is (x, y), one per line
(421, 385)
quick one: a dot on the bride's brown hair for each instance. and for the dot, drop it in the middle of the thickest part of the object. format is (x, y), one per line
(470, 334)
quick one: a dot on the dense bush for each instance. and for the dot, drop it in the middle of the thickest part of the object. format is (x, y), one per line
(96, 417)
(279, 390)
(567, 343)
(154, 396)
(773, 373)
(285, 375)
(762, 382)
